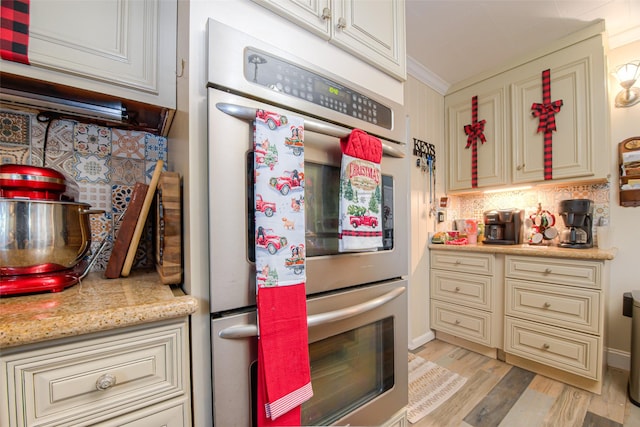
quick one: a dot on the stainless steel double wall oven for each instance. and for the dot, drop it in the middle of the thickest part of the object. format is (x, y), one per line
(357, 303)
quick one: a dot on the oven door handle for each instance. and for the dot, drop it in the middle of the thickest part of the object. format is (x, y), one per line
(313, 125)
(247, 331)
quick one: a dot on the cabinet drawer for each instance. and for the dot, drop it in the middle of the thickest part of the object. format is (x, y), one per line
(60, 385)
(566, 350)
(561, 271)
(563, 306)
(467, 323)
(464, 262)
(462, 288)
(167, 414)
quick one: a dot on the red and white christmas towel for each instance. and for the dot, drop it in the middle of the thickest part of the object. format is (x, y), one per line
(360, 225)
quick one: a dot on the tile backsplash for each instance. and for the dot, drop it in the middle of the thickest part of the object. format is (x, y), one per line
(105, 163)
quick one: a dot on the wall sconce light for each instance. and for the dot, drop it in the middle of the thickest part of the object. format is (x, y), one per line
(627, 74)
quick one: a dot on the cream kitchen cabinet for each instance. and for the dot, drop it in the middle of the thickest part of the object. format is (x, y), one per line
(466, 299)
(124, 48)
(513, 153)
(132, 376)
(373, 31)
(578, 78)
(554, 318)
(493, 155)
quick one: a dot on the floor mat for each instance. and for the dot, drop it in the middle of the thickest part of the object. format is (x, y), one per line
(430, 386)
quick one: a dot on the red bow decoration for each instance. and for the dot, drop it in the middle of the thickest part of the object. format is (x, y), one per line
(546, 113)
(474, 131)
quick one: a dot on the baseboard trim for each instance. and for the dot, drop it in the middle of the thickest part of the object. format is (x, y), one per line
(618, 359)
(421, 340)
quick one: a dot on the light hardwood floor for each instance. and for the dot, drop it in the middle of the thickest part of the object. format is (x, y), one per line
(498, 394)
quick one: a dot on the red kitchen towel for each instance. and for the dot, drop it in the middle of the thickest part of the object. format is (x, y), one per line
(283, 351)
(284, 374)
(14, 30)
(360, 225)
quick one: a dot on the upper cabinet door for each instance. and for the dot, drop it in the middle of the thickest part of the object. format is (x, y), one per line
(577, 78)
(372, 30)
(122, 47)
(493, 154)
(313, 15)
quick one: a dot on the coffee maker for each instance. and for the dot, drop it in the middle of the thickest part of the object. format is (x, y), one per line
(503, 226)
(577, 215)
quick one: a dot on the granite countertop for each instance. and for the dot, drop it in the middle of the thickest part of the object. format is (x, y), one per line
(534, 250)
(95, 304)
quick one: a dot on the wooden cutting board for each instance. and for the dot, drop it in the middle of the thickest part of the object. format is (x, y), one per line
(135, 240)
(168, 230)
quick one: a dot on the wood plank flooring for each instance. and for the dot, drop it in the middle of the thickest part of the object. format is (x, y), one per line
(500, 395)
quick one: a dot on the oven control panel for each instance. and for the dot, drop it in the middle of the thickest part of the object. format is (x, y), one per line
(282, 76)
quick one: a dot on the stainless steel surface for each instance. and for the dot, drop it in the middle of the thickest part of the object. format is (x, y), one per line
(246, 331)
(233, 278)
(310, 125)
(232, 392)
(226, 72)
(38, 234)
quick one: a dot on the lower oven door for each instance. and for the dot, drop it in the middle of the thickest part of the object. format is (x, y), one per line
(358, 355)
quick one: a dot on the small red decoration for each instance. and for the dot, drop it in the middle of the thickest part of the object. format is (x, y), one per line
(474, 132)
(546, 112)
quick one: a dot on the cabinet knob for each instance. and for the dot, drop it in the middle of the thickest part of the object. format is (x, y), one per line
(546, 346)
(342, 23)
(457, 322)
(105, 382)
(520, 167)
(457, 262)
(546, 305)
(457, 289)
(547, 271)
(326, 13)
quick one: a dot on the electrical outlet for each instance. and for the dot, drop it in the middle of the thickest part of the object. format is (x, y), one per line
(442, 216)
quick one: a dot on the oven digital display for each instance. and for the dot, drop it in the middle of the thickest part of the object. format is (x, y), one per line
(287, 78)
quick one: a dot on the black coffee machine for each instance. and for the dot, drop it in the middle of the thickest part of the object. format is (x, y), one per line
(503, 226)
(577, 215)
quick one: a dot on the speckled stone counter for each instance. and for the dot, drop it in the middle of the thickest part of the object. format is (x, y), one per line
(533, 250)
(95, 304)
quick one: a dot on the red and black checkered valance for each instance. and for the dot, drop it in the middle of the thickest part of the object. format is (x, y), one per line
(14, 30)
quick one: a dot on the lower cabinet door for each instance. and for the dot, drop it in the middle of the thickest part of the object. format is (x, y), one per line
(567, 350)
(463, 322)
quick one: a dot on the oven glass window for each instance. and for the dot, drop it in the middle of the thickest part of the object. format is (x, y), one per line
(349, 370)
(321, 204)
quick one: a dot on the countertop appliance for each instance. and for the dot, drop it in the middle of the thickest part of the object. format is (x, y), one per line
(44, 236)
(577, 215)
(503, 226)
(356, 301)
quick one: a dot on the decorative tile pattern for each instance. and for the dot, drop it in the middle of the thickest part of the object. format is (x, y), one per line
(91, 168)
(92, 139)
(97, 195)
(14, 128)
(60, 137)
(120, 198)
(14, 154)
(127, 171)
(129, 144)
(155, 147)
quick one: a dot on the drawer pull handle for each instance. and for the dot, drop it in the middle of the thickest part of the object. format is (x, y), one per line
(105, 382)
(546, 305)
(545, 346)
(547, 271)
(457, 289)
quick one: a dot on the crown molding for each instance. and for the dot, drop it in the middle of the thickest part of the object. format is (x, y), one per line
(426, 76)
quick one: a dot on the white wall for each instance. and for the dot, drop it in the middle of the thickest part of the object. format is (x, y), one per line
(625, 222)
(425, 109)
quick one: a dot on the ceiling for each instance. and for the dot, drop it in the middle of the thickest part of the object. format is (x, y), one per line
(449, 41)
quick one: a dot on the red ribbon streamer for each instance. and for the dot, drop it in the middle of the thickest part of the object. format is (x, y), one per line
(546, 113)
(474, 131)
